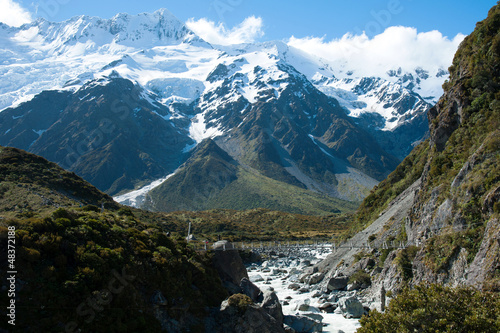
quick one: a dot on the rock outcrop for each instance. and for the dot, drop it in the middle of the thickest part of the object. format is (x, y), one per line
(240, 316)
(228, 263)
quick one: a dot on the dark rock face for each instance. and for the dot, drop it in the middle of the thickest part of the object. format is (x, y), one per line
(253, 319)
(251, 290)
(229, 265)
(272, 306)
(444, 119)
(338, 283)
(106, 132)
(303, 324)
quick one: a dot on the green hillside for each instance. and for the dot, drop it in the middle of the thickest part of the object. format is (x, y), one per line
(211, 179)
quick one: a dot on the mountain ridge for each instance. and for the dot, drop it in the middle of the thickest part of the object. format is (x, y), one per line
(251, 99)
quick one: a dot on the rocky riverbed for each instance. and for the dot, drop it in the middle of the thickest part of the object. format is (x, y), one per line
(334, 306)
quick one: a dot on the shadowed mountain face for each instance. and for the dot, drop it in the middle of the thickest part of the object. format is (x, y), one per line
(107, 132)
(211, 178)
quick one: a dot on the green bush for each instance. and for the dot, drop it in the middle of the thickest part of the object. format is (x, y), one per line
(240, 301)
(61, 213)
(91, 208)
(125, 211)
(434, 308)
(361, 277)
(404, 261)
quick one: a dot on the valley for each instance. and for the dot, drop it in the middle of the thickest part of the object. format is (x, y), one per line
(138, 161)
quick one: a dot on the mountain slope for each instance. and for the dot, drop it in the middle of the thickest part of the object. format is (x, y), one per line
(123, 102)
(108, 132)
(30, 184)
(211, 179)
(444, 197)
(202, 177)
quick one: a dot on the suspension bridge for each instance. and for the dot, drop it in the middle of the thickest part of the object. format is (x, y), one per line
(281, 246)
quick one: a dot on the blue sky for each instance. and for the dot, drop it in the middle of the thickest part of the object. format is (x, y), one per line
(282, 19)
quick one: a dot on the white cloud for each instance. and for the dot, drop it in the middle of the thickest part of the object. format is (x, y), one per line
(13, 14)
(247, 31)
(396, 47)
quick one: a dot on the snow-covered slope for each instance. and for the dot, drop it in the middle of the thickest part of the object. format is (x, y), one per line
(394, 103)
(147, 48)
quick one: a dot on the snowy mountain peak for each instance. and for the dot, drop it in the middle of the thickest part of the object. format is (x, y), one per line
(142, 30)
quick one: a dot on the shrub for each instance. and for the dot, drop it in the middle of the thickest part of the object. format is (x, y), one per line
(240, 301)
(91, 208)
(125, 211)
(61, 213)
(435, 308)
(360, 277)
(404, 261)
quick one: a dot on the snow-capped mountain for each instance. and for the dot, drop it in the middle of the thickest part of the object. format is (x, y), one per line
(275, 110)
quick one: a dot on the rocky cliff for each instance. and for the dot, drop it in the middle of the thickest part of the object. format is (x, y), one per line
(436, 217)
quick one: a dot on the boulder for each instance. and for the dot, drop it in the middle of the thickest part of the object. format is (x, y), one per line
(316, 278)
(271, 304)
(351, 307)
(251, 290)
(327, 307)
(337, 283)
(366, 263)
(246, 319)
(228, 263)
(256, 278)
(311, 270)
(314, 316)
(353, 286)
(305, 263)
(303, 307)
(303, 324)
(231, 287)
(294, 286)
(251, 256)
(304, 290)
